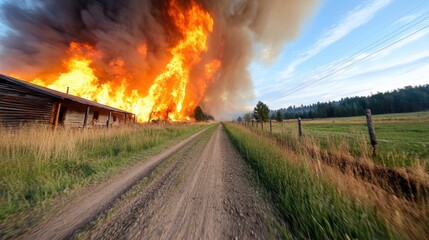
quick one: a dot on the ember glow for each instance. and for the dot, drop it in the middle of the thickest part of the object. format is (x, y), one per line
(168, 97)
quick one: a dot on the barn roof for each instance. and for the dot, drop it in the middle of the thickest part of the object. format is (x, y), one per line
(59, 95)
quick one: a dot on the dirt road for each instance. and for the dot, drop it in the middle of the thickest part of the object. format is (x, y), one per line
(201, 191)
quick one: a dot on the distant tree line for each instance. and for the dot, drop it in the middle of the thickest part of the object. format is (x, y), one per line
(408, 99)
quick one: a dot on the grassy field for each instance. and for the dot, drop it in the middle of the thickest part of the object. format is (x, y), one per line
(321, 201)
(403, 139)
(38, 163)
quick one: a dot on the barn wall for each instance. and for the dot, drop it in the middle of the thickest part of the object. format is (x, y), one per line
(119, 119)
(74, 118)
(20, 105)
(102, 118)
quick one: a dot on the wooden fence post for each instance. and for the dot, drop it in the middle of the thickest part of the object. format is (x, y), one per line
(299, 127)
(271, 127)
(371, 131)
(252, 122)
(262, 125)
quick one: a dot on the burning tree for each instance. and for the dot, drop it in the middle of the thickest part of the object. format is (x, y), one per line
(200, 115)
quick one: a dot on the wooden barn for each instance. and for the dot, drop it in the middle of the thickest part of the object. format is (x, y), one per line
(23, 102)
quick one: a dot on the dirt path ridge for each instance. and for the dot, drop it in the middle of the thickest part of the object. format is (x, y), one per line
(207, 193)
(62, 224)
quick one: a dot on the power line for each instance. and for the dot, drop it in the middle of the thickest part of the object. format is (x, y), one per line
(353, 63)
(385, 27)
(384, 39)
(372, 46)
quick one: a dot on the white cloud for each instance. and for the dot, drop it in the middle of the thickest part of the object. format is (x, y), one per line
(374, 62)
(403, 63)
(371, 61)
(361, 79)
(411, 17)
(352, 20)
(406, 19)
(407, 39)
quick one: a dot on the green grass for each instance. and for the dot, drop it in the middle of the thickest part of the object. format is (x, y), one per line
(403, 139)
(37, 163)
(314, 208)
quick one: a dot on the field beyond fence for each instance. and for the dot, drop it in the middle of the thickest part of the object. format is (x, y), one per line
(403, 139)
(332, 167)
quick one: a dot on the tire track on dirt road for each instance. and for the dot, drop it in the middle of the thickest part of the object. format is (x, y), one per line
(206, 193)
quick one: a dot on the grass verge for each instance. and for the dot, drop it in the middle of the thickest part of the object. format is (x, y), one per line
(313, 206)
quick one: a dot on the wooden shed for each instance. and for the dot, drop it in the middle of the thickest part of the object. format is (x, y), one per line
(23, 102)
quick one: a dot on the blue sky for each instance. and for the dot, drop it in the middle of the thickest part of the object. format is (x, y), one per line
(348, 48)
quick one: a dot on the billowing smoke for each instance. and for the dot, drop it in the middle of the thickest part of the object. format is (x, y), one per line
(141, 33)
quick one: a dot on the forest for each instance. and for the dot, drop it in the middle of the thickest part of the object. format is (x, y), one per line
(408, 99)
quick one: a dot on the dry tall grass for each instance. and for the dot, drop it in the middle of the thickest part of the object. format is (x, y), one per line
(355, 158)
(37, 163)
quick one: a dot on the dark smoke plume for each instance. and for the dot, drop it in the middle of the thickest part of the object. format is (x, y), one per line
(41, 31)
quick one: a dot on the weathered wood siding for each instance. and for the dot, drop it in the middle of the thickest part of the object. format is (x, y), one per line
(74, 119)
(102, 119)
(20, 105)
(118, 119)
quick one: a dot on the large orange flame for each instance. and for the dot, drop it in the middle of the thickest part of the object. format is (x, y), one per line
(170, 95)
